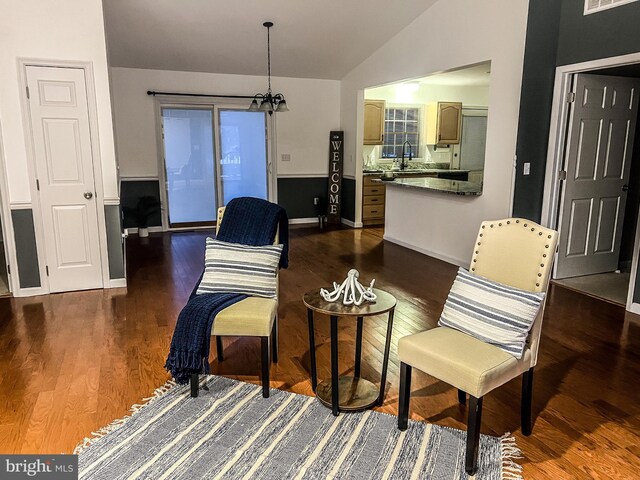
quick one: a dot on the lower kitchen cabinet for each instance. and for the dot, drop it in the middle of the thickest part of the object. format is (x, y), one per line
(373, 197)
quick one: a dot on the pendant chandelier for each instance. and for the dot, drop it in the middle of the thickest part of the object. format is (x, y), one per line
(268, 101)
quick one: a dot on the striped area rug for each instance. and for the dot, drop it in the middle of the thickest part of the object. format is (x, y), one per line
(231, 432)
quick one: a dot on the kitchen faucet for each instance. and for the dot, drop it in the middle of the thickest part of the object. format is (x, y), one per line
(403, 165)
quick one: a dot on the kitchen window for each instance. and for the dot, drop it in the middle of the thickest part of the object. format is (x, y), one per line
(401, 124)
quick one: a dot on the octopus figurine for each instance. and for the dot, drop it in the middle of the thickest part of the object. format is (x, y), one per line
(352, 292)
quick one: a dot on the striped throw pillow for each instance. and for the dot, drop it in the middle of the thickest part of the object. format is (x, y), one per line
(231, 267)
(490, 311)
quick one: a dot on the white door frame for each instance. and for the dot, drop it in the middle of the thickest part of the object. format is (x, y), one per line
(7, 224)
(35, 206)
(175, 101)
(556, 146)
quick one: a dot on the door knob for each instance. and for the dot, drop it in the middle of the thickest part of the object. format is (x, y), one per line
(88, 195)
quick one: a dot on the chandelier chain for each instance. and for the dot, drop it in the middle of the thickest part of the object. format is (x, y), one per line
(269, 56)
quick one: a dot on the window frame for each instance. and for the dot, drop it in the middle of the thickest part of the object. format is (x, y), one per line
(418, 147)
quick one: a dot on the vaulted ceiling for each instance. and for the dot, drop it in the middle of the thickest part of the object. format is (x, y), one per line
(310, 39)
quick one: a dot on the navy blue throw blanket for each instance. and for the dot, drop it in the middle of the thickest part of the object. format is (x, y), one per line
(253, 221)
(249, 221)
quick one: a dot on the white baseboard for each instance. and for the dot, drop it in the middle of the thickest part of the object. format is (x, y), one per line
(117, 283)
(30, 292)
(351, 224)
(439, 256)
(634, 308)
(303, 221)
(131, 230)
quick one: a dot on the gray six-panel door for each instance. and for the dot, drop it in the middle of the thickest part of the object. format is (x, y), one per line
(597, 163)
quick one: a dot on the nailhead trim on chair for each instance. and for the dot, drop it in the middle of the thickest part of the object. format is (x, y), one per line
(500, 224)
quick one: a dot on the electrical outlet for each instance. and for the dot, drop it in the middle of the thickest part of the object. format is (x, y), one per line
(286, 157)
(527, 169)
(316, 200)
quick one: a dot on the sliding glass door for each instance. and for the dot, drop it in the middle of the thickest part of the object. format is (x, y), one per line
(211, 155)
(190, 171)
(243, 154)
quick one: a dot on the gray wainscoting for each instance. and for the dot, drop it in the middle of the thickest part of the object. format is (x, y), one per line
(349, 199)
(115, 250)
(26, 251)
(131, 191)
(296, 194)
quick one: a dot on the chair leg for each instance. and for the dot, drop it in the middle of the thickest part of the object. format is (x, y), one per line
(274, 340)
(462, 397)
(405, 396)
(525, 406)
(265, 364)
(473, 434)
(219, 348)
(194, 384)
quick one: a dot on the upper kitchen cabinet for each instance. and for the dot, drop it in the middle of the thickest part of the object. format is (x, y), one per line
(373, 122)
(444, 120)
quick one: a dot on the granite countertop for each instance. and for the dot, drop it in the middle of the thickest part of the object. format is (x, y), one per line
(444, 185)
(424, 171)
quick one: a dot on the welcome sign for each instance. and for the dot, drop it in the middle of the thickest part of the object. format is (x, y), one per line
(336, 156)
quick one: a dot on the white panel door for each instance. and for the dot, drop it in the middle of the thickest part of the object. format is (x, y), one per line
(599, 147)
(64, 168)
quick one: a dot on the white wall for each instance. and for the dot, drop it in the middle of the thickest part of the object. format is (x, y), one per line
(470, 96)
(303, 132)
(71, 30)
(451, 34)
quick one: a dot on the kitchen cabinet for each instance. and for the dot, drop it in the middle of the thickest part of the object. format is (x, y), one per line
(373, 197)
(373, 122)
(443, 123)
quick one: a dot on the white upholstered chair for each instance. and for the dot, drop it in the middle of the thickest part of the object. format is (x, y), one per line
(514, 252)
(251, 317)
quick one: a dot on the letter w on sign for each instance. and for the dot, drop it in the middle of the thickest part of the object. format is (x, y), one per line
(336, 154)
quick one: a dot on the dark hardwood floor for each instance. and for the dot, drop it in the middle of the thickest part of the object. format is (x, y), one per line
(73, 362)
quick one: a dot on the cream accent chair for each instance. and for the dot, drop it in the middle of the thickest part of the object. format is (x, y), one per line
(251, 317)
(512, 251)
